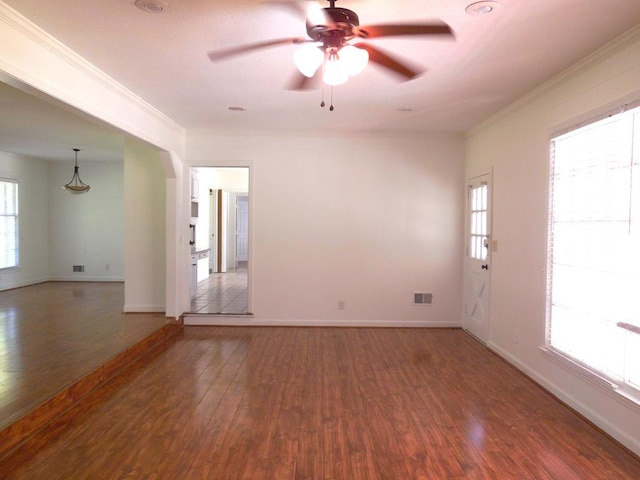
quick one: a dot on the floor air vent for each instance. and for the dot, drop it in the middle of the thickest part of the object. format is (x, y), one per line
(78, 268)
(420, 298)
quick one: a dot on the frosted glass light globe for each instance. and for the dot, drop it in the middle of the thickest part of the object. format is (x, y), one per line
(308, 58)
(355, 58)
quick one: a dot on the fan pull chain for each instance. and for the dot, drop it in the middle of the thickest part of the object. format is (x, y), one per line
(322, 104)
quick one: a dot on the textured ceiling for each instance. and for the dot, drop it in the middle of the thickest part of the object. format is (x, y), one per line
(493, 60)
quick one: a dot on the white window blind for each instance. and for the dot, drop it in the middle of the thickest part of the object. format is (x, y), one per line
(8, 223)
(594, 246)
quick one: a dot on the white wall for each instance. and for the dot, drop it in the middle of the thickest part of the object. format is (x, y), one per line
(87, 229)
(33, 189)
(145, 197)
(31, 60)
(59, 229)
(516, 144)
(367, 220)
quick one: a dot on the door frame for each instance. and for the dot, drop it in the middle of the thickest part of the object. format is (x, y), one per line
(482, 335)
(215, 221)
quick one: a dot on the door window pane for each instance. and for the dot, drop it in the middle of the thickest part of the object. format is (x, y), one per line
(479, 241)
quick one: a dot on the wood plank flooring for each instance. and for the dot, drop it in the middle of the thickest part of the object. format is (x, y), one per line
(52, 334)
(321, 403)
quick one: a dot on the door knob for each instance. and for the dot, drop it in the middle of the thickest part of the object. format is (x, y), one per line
(485, 267)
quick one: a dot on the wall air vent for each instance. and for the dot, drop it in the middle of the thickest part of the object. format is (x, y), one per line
(421, 298)
(78, 268)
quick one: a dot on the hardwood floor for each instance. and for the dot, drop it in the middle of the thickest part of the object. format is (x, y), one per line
(54, 333)
(321, 403)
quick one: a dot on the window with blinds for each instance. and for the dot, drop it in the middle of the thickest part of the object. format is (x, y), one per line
(8, 223)
(594, 247)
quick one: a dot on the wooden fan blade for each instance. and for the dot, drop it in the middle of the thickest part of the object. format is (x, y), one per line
(309, 10)
(375, 31)
(216, 55)
(300, 82)
(387, 61)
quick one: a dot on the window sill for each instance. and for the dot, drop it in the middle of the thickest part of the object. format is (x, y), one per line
(616, 391)
(4, 269)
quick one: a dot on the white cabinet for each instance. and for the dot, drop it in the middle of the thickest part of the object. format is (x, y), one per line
(199, 269)
(203, 264)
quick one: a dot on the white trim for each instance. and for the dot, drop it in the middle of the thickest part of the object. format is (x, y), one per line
(86, 279)
(25, 283)
(578, 405)
(143, 309)
(28, 283)
(584, 373)
(249, 320)
(607, 51)
(604, 384)
(82, 69)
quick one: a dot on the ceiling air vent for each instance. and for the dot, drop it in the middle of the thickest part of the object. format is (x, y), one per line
(421, 298)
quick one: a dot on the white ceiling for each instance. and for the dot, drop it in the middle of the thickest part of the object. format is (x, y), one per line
(493, 60)
(34, 126)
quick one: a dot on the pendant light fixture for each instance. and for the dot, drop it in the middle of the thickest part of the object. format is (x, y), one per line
(76, 185)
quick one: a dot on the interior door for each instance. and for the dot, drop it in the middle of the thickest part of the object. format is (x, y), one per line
(242, 228)
(478, 271)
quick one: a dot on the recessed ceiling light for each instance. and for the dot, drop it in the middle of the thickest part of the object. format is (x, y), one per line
(237, 109)
(151, 6)
(481, 8)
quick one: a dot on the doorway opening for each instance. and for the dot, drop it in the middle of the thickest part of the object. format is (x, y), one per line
(220, 241)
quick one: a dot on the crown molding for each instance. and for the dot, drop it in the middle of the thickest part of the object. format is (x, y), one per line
(82, 67)
(605, 52)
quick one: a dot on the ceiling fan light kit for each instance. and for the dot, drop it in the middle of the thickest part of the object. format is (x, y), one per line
(330, 31)
(334, 72)
(308, 59)
(338, 63)
(354, 59)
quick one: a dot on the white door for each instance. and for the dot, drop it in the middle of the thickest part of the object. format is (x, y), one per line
(213, 230)
(478, 245)
(242, 228)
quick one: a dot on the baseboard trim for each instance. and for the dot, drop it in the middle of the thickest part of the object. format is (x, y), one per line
(27, 283)
(22, 429)
(88, 279)
(143, 309)
(249, 320)
(570, 401)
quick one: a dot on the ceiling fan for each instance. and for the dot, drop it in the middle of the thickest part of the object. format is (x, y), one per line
(331, 32)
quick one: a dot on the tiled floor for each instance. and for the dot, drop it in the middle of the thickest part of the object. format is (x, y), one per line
(224, 293)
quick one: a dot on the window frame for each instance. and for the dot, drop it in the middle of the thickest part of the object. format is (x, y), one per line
(16, 216)
(620, 386)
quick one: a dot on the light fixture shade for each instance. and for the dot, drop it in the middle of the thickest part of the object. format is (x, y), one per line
(335, 70)
(76, 185)
(355, 59)
(308, 59)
